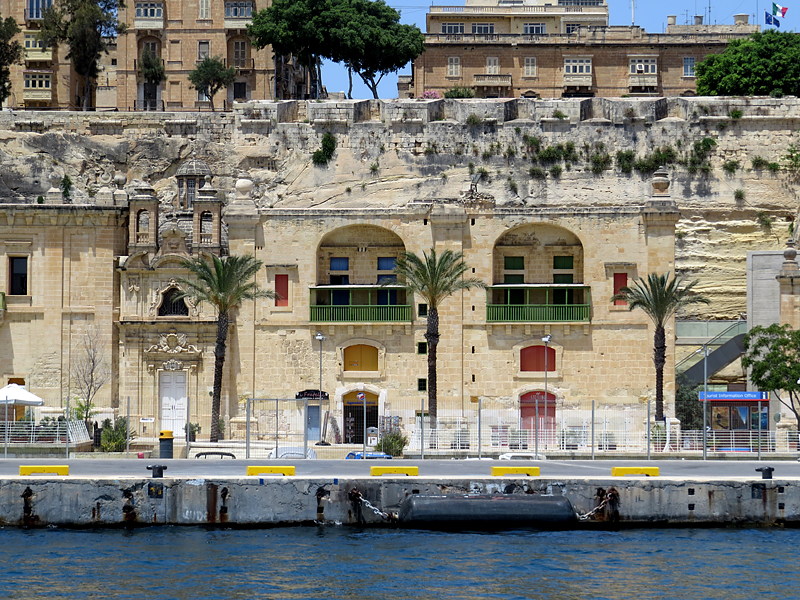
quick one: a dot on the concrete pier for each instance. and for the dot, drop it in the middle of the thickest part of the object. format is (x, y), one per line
(262, 501)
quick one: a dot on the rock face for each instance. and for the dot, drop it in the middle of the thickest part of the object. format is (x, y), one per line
(730, 161)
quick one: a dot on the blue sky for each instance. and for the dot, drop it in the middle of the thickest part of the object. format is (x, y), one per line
(649, 15)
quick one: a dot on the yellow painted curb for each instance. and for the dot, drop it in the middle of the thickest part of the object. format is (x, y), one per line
(393, 471)
(501, 471)
(280, 470)
(54, 469)
(622, 471)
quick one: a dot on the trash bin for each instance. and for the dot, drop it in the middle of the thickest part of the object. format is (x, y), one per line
(165, 444)
(372, 436)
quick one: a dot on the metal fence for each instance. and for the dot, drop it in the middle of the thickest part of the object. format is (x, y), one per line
(53, 432)
(294, 428)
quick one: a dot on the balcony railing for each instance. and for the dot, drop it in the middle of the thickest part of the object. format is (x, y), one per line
(37, 14)
(642, 80)
(38, 54)
(240, 63)
(37, 94)
(205, 238)
(237, 22)
(484, 79)
(538, 303)
(584, 79)
(142, 238)
(148, 22)
(359, 304)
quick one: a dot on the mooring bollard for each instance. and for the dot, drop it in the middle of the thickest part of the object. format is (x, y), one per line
(766, 472)
(158, 470)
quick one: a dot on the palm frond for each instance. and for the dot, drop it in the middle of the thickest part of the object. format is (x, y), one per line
(659, 296)
(435, 277)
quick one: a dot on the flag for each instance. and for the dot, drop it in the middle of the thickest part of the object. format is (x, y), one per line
(777, 8)
(770, 20)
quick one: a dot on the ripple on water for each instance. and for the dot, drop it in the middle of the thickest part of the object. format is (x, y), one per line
(179, 563)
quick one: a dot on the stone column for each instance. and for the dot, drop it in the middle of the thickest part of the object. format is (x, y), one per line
(789, 282)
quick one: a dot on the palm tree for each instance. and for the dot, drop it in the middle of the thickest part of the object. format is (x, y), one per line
(660, 298)
(224, 284)
(434, 279)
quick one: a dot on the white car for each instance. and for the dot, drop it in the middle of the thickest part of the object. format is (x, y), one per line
(522, 456)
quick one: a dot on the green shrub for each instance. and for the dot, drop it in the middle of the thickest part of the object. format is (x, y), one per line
(625, 160)
(738, 194)
(792, 157)
(735, 114)
(730, 166)
(66, 186)
(114, 437)
(486, 155)
(660, 157)
(555, 171)
(532, 142)
(600, 161)
(459, 92)
(759, 162)
(325, 152)
(773, 167)
(484, 174)
(550, 154)
(473, 120)
(537, 173)
(512, 185)
(392, 443)
(764, 219)
(559, 115)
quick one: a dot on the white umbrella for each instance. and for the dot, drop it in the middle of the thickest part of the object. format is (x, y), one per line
(16, 395)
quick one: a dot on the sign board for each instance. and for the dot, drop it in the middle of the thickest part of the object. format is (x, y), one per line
(311, 394)
(734, 396)
(361, 396)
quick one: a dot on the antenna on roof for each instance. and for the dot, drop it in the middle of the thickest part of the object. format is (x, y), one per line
(633, 12)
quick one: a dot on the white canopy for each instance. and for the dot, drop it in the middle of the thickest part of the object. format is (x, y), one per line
(16, 395)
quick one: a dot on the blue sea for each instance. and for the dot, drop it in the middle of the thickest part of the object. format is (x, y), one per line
(371, 564)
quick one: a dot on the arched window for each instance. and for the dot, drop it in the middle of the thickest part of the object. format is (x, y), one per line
(360, 357)
(206, 222)
(532, 359)
(142, 226)
(171, 306)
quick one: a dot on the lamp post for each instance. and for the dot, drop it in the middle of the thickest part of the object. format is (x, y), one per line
(546, 339)
(705, 396)
(320, 338)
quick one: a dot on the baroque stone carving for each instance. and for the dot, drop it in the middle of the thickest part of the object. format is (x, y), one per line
(173, 343)
(173, 365)
(158, 295)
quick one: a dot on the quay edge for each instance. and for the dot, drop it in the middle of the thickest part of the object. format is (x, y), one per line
(266, 501)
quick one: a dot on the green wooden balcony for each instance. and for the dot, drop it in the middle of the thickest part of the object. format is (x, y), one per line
(359, 304)
(539, 303)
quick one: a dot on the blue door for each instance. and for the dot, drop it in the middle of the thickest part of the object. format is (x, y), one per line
(312, 421)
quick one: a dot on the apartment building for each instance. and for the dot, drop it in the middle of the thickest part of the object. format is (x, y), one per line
(538, 49)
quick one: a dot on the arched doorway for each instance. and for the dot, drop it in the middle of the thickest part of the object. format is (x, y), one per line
(547, 417)
(353, 405)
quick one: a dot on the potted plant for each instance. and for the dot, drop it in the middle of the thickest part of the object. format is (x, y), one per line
(194, 429)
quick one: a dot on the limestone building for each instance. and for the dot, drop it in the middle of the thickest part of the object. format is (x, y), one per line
(107, 259)
(533, 48)
(179, 33)
(182, 33)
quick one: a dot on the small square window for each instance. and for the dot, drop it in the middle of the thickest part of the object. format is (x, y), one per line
(563, 262)
(422, 347)
(422, 385)
(387, 279)
(422, 310)
(514, 263)
(340, 263)
(386, 263)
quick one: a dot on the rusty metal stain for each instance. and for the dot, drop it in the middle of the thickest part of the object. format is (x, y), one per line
(211, 502)
(29, 519)
(223, 510)
(128, 511)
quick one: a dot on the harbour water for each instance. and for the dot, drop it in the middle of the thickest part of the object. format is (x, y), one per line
(345, 563)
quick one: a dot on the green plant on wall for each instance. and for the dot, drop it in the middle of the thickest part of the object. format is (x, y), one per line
(66, 186)
(325, 152)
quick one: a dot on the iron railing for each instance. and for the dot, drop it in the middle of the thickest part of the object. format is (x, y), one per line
(360, 314)
(28, 432)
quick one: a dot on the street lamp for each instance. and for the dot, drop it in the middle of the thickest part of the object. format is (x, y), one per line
(546, 339)
(320, 338)
(705, 395)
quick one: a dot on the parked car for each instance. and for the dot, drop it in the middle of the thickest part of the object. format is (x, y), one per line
(368, 456)
(292, 453)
